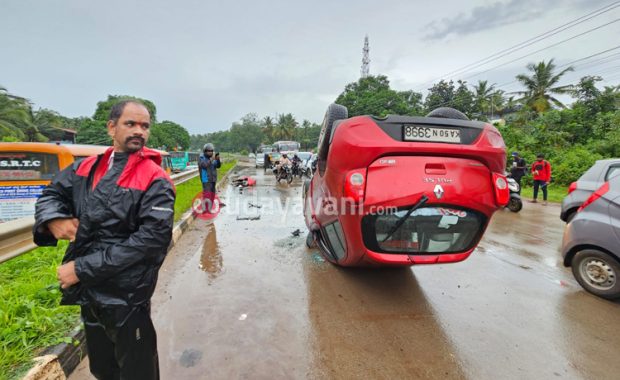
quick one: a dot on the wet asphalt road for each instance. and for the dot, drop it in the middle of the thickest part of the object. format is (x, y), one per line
(245, 299)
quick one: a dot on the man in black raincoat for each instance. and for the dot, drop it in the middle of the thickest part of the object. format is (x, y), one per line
(117, 211)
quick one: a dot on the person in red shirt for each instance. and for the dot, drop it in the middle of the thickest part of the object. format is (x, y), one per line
(541, 172)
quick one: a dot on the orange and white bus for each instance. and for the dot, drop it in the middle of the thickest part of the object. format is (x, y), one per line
(25, 170)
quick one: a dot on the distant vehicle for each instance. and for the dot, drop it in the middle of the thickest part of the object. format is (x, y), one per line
(403, 190)
(260, 155)
(286, 146)
(591, 180)
(591, 244)
(183, 160)
(25, 170)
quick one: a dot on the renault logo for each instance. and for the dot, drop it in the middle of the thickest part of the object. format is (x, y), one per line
(438, 191)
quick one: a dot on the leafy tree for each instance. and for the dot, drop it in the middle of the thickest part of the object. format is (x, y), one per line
(440, 95)
(464, 99)
(372, 95)
(541, 85)
(93, 132)
(105, 106)
(268, 128)
(169, 135)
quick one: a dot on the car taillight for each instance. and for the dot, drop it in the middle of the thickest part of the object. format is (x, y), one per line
(596, 195)
(355, 185)
(572, 187)
(502, 193)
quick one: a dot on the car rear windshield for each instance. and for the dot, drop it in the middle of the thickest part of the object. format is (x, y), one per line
(429, 230)
(28, 166)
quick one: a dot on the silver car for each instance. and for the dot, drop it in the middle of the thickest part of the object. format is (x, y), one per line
(591, 180)
(591, 244)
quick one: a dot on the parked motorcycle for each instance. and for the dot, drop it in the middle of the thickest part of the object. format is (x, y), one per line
(515, 204)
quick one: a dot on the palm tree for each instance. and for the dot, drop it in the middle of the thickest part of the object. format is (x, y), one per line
(285, 128)
(268, 128)
(14, 116)
(483, 96)
(542, 85)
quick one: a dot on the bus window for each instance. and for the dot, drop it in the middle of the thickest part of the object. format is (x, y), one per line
(28, 166)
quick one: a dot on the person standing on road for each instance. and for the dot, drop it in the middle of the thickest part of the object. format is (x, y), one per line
(208, 163)
(518, 169)
(117, 211)
(541, 171)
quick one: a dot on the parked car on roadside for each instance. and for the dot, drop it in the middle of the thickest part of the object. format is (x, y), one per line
(403, 190)
(591, 243)
(591, 180)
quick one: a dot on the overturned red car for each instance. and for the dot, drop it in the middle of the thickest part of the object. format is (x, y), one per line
(403, 190)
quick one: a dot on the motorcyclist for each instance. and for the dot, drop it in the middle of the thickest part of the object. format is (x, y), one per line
(284, 161)
(296, 163)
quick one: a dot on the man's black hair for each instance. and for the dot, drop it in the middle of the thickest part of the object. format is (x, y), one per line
(118, 108)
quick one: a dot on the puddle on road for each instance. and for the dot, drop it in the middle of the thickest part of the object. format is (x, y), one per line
(211, 260)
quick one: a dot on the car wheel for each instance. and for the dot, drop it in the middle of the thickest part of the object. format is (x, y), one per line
(597, 272)
(310, 242)
(515, 205)
(334, 112)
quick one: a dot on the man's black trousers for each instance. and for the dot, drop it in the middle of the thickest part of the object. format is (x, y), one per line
(121, 342)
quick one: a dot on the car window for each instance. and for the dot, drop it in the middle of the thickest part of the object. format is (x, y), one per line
(426, 230)
(612, 172)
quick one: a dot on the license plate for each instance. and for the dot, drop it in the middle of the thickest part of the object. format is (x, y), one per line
(431, 134)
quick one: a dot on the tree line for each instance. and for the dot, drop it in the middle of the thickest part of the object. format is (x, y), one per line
(19, 121)
(252, 131)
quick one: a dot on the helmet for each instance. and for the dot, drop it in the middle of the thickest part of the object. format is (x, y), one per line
(208, 146)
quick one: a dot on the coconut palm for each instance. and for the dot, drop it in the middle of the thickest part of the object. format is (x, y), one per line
(483, 96)
(14, 116)
(285, 128)
(542, 85)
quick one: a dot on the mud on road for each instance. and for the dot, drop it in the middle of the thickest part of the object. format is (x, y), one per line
(244, 299)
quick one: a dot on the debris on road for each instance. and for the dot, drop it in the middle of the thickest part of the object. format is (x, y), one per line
(296, 233)
(244, 182)
(248, 217)
(243, 317)
(253, 205)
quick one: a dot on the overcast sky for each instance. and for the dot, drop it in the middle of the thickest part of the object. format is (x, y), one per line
(206, 64)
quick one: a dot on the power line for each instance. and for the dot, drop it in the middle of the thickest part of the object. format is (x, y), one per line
(543, 49)
(528, 42)
(572, 62)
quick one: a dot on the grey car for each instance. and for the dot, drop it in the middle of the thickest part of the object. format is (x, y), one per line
(591, 180)
(591, 244)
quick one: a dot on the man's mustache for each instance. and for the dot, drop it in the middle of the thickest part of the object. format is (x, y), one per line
(130, 139)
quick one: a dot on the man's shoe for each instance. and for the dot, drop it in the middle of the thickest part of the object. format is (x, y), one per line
(544, 203)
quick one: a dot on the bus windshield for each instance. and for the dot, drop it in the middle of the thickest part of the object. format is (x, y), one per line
(28, 166)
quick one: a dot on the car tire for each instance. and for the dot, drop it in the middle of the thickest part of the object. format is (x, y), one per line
(597, 272)
(310, 242)
(334, 112)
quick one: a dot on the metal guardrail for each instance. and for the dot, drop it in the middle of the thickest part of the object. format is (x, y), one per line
(16, 235)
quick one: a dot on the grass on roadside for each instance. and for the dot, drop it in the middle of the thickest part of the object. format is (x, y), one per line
(31, 318)
(555, 193)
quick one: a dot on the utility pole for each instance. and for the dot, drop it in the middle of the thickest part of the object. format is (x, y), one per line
(366, 59)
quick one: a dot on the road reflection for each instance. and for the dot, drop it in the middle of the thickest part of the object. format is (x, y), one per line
(211, 260)
(374, 323)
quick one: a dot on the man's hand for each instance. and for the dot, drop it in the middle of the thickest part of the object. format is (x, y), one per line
(64, 229)
(66, 275)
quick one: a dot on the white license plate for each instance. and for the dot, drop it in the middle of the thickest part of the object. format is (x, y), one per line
(432, 134)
